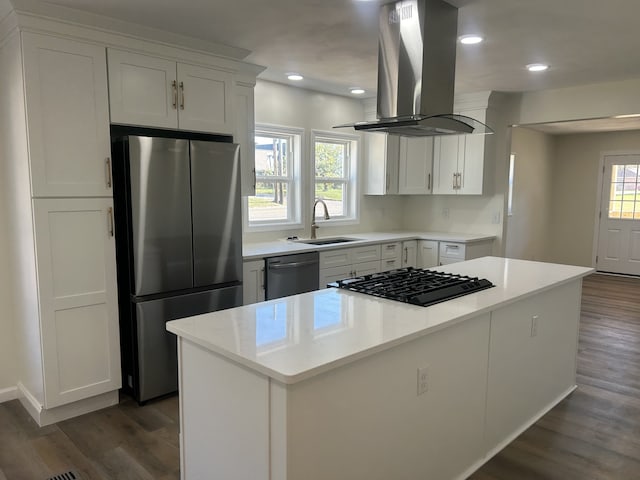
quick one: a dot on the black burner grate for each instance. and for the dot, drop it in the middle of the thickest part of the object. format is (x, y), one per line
(415, 286)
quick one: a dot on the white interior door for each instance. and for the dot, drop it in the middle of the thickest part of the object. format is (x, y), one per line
(619, 235)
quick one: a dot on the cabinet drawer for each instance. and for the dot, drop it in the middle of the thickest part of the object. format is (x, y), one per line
(390, 250)
(335, 258)
(452, 250)
(365, 254)
(389, 264)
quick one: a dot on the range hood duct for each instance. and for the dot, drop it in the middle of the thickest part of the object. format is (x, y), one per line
(416, 72)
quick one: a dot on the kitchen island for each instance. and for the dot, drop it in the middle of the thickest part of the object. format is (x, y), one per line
(339, 385)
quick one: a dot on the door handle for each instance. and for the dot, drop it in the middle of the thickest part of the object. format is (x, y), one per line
(108, 171)
(181, 95)
(174, 88)
(277, 266)
(110, 221)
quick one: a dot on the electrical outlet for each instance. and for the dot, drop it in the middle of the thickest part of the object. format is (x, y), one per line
(423, 380)
(445, 213)
(534, 325)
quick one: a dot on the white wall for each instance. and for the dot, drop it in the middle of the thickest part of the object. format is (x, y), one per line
(8, 370)
(278, 104)
(529, 230)
(575, 188)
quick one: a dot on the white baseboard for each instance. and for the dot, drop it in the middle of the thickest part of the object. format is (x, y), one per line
(7, 394)
(44, 416)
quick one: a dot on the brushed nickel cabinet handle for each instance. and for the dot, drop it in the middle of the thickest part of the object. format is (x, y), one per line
(429, 182)
(455, 183)
(110, 220)
(262, 271)
(108, 171)
(406, 255)
(181, 95)
(174, 88)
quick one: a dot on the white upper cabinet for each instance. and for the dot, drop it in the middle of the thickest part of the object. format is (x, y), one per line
(156, 92)
(245, 136)
(383, 153)
(67, 117)
(458, 161)
(398, 165)
(415, 166)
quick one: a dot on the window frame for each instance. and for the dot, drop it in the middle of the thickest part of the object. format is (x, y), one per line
(294, 218)
(351, 204)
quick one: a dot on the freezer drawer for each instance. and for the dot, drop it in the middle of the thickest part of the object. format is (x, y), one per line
(156, 348)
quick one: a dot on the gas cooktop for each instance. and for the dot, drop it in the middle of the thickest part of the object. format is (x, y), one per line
(415, 286)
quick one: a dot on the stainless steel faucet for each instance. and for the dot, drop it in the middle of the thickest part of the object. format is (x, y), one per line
(315, 227)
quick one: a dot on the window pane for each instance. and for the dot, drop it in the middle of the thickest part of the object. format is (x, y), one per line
(630, 173)
(614, 209)
(270, 202)
(332, 193)
(330, 159)
(271, 156)
(627, 209)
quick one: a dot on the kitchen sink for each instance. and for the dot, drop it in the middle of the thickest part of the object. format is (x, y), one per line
(328, 241)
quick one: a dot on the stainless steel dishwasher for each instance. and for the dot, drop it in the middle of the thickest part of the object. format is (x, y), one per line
(292, 274)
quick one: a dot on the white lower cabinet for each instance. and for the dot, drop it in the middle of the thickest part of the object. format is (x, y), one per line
(252, 281)
(532, 359)
(452, 252)
(77, 293)
(427, 253)
(410, 253)
(348, 263)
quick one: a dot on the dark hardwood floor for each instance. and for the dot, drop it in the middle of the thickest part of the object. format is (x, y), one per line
(593, 434)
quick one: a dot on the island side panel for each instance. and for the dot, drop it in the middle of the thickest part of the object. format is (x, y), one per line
(224, 412)
(365, 420)
(532, 360)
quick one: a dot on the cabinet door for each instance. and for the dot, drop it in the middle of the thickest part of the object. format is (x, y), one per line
(67, 117)
(333, 274)
(532, 359)
(143, 90)
(205, 99)
(245, 137)
(428, 253)
(415, 165)
(252, 282)
(445, 163)
(410, 253)
(471, 162)
(78, 301)
(366, 268)
(382, 164)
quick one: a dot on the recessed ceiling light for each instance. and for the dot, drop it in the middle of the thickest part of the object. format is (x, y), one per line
(357, 91)
(471, 39)
(296, 77)
(537, 67)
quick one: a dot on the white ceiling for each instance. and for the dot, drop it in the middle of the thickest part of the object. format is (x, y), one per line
(333, 43)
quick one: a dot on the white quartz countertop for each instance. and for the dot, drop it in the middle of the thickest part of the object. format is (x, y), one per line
(294, 338)
(254, 251)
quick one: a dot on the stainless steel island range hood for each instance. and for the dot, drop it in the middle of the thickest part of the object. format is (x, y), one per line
(416, 72)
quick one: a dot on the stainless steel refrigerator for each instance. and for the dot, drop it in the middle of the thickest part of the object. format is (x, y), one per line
(178, 244)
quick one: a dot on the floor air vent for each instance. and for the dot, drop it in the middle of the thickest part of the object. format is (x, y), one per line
(70, 475)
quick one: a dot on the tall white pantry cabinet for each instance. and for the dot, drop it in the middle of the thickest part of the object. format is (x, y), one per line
(56, 151)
